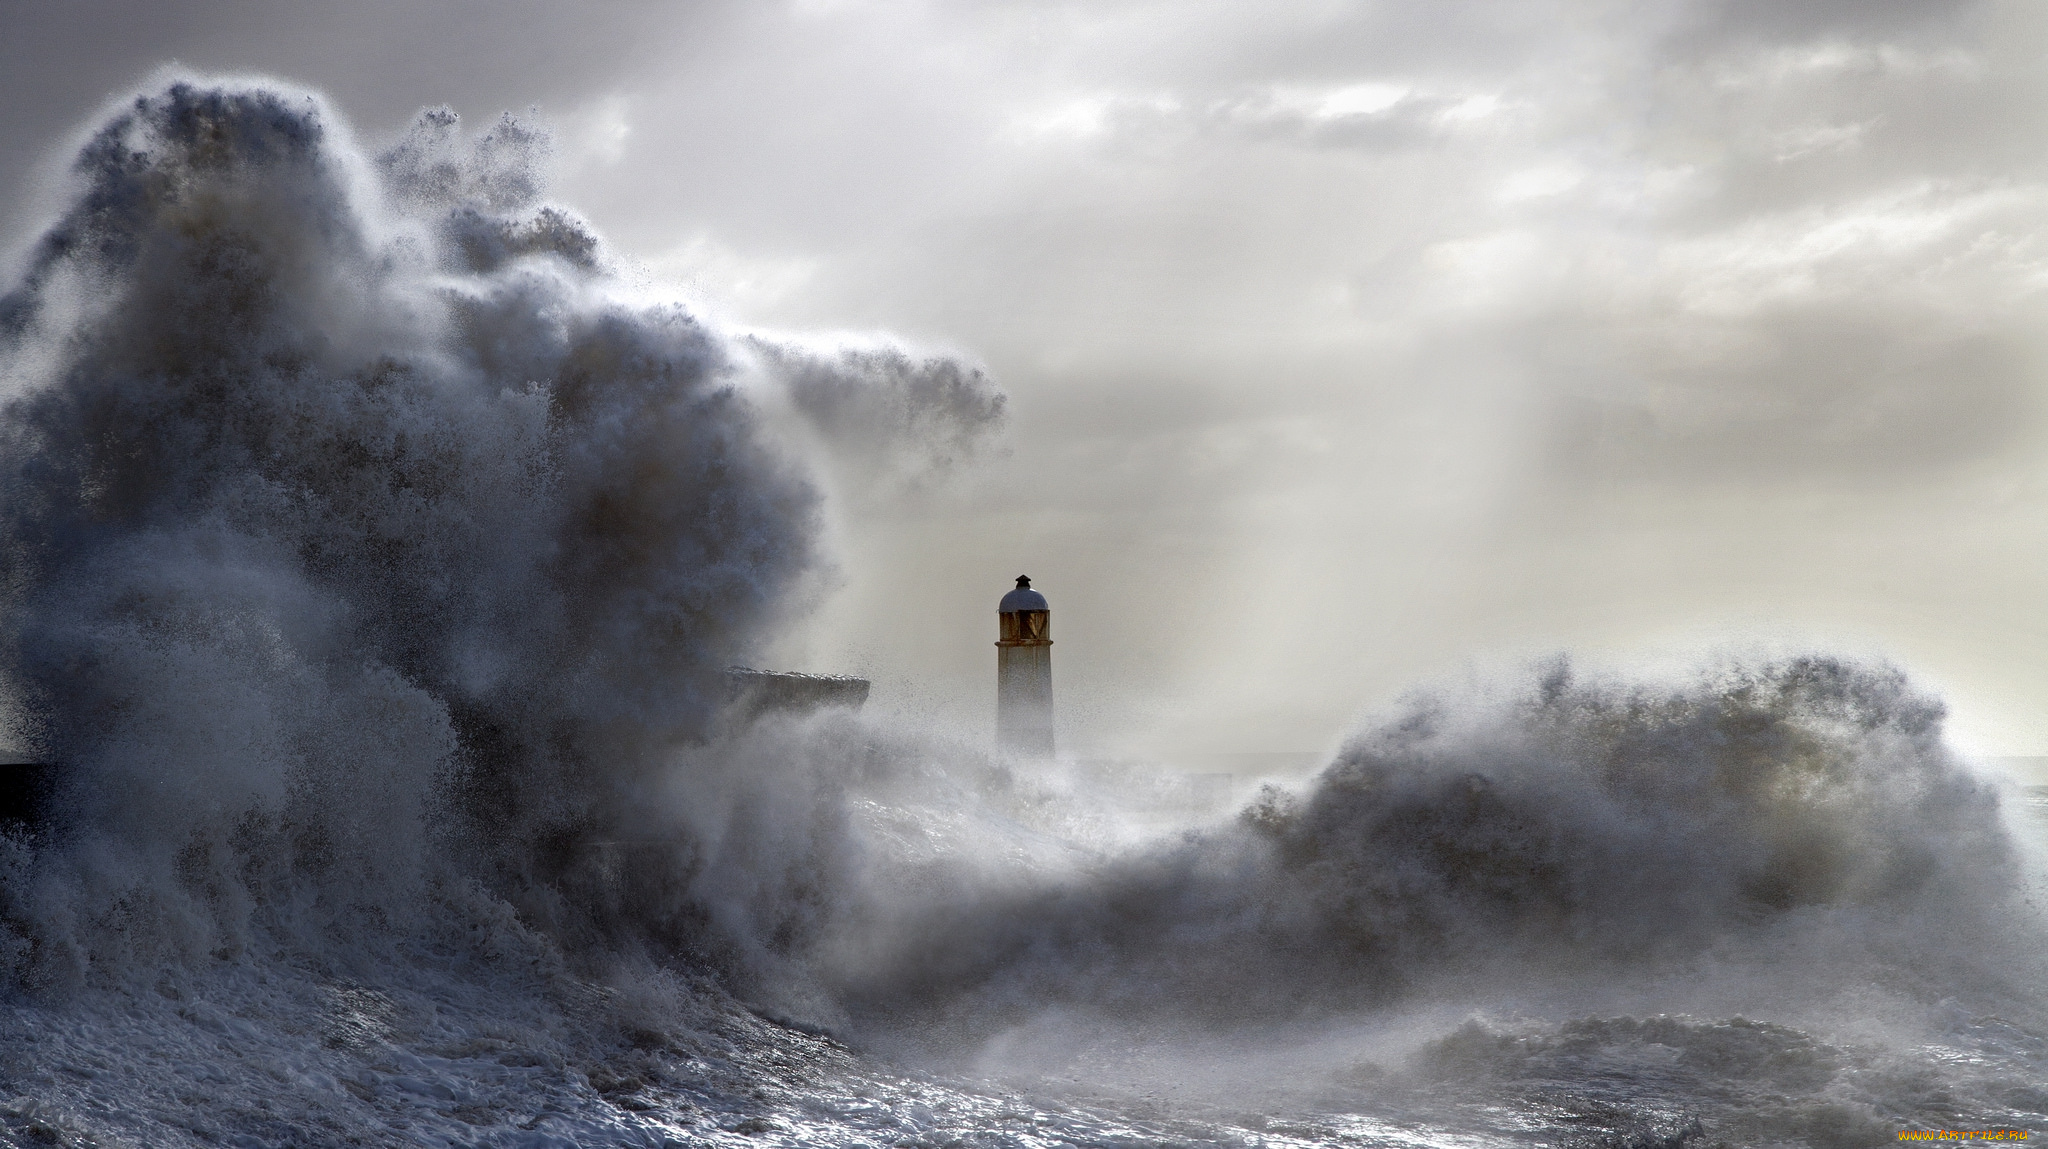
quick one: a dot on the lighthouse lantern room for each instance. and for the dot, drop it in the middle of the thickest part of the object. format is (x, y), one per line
(1024, 673)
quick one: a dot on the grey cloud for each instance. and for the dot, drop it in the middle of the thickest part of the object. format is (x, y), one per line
(1767, 133)
(1837, 293)
(1273, 115)
(1754, 21)
(1842, 394)
(1410, 121)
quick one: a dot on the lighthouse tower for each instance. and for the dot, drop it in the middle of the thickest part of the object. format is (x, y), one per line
(1024, 673)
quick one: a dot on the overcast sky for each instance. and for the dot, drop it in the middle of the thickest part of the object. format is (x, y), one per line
(1349, 346)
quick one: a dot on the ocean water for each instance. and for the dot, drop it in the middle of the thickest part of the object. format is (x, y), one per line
(372, 557)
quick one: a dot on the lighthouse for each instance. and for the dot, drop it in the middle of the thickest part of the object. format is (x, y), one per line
(1024, 673)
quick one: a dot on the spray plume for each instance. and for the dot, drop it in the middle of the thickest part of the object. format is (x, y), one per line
(354, 523)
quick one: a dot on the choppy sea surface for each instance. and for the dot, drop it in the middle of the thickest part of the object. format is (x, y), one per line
(434, 1053)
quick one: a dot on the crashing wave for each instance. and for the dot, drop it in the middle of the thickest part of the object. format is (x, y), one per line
(370, 565)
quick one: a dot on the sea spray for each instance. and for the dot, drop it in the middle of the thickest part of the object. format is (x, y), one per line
(359, 534)
(368, 565)
(1573, 833)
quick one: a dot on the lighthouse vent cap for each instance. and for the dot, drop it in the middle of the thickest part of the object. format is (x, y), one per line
(1023, 598)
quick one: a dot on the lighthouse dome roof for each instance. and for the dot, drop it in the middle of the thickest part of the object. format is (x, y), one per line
(1023, 598)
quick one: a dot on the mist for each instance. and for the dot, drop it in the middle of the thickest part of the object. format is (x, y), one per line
(390, 482)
